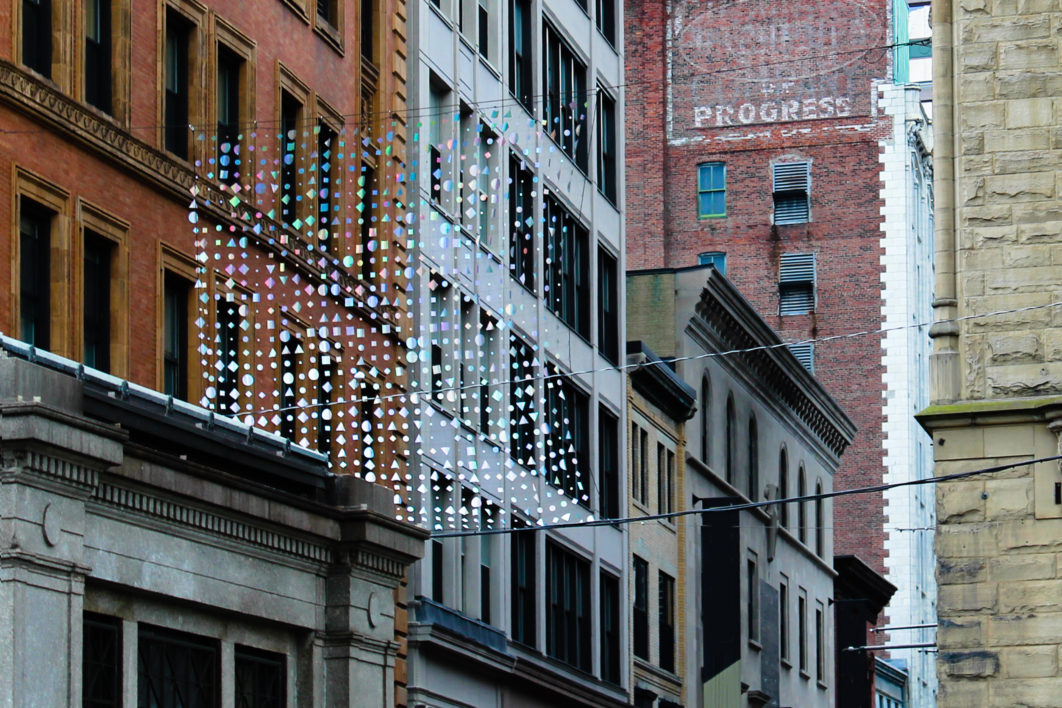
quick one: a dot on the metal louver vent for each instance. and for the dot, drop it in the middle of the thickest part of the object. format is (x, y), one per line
(797, 267)
(791, 187)
(805, 354)
(796, 283)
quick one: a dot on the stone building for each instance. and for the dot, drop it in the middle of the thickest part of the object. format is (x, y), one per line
(996, 378)
(779, 141)
(758, 591)
(156, 554)
(517, 250)
(195, 196)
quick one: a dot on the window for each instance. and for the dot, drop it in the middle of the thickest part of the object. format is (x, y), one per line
(367, 230)
(606, 19)
(367, 411)
(489, 368)
(791, 187)
(176, 294)
(568, 621)
(98, 254)
(520, 22)
(467, 362)
(101, 662)
(820, 643)
(754, 460)
(327, 207)
(260, 678)
(288, 383)
(640, 612)
(98, 54)
(568, 444)
(610, 628)
(796, 283)
(752, 599)
(176, 668)
(666, 612)
(716, 259)
(607, 176)
(640, 464)
(731, 443)
(443, 343)
(290, 123)
(37, 36)
(326, 375)
(484, 30)
(802, 632)
(368, 15)
(783, 619)
(487, 515)
(608, 464)
(328, 11)
(567, 267)
(711, 190)
(783, 486)
(665, 479)
(820, 523)
(438, 134)
(522, 415)
(706, 401)
(521, 224)
(804, 354)
(523, 585)
(178, 85)
(608, 323)
(35, 226)
(564, 96)
(228, 137)
(802, 506)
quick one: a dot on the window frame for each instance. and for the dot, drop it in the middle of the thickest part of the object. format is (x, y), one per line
(524, 570)
(175, 264)
(116, 231)
(607, 145)
(791, 192)
(564, 84)
(194, 16)
(521, 201)
(666, 621)
(569, 607)
(293, 90)
(711, 189)
(228, 38)
(521, 53)
(566, 266)
(567, 413)
(522, 435)
(608, 463)
(609, 603)
(797, 283)
(640, 644)
(608, 310)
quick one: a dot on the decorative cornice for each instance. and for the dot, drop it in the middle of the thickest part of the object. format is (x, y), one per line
(57, 468)
(376, 562)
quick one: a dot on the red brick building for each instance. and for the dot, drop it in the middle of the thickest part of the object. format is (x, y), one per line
(752, 139)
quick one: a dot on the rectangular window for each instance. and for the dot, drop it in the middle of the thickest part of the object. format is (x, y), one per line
(176, 668)
(260, 678)
(711, 190)
(489, 371)
(791, 185)
(439, 131)
(523, 586)
(288, 383)
(606, 19)
(783, 620)
(802, 632)
(520, 21)
(568, 445)
(367, 223)
(327, 148)
(607, 174)
(608, 321)
(567, 267)
(610, 628)
(487, 520)
(97, 301)
(326, 373)
(101, 661)
(468, 360)
(328, 11)
(367, 407)
(443, 345)
(608, 464)
(228, 138)
(640, 609)
(37, 36)
(98, 54)
(568, 621)
(820, 643)
(368, 15)
(666, 612)
(177, 292)
(564, 96)
(484, 30)
(35, 226)
(290, 125)
(752, 599)
(178, 38)
(665, 479)
(716, 259)
(796, 283)
(522, 415)
(521, 224)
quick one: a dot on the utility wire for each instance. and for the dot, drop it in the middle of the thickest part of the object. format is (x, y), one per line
(746, 505)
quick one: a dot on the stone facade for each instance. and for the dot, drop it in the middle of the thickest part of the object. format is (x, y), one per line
(996, 378)
(124, 517)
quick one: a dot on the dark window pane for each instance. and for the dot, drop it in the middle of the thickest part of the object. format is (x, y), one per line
(97, 301)
(175, 336)
(523, 586)
(567, 267)
(522, 414)
(608, 464)
(229, 65)
(606, 145)
(567, 416)
(520, 51)
(35, 223)
(290, 112)
(260, 679)
(101, 662)
(327, 144)
(367, 263)
(228, 355)
(176, 670)
(178, 33)
(98, 54)
(325, 385)
(367, 19)
(666, 607)
(640, 613)
(564, 96)
(608, 324)
(37, 35)
(568, 607)
(521, 225)
(610, 629)
(606, 19)
(288, 384)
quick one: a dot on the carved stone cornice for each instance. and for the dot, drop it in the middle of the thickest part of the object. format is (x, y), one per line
(46, 104)
(66, 473)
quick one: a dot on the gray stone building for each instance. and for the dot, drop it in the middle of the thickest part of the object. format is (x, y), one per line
(996, 368)
(759, 583)
(152, 553)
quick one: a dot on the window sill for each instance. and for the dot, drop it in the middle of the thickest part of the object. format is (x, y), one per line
(529, 287)
(805, 675)
(707, 217)
(330, 35)
(822, 685)
(755, 645)
(299, 8)
(611, 44)
(785, 664)
(640, 506)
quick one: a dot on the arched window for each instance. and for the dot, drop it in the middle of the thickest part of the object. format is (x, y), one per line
(754, 460)
(706, 395)
(731, 443)
(820, 522)
(783, 486)
(802, 507)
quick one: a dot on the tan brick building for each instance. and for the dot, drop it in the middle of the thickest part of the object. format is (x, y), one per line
(997, 378)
